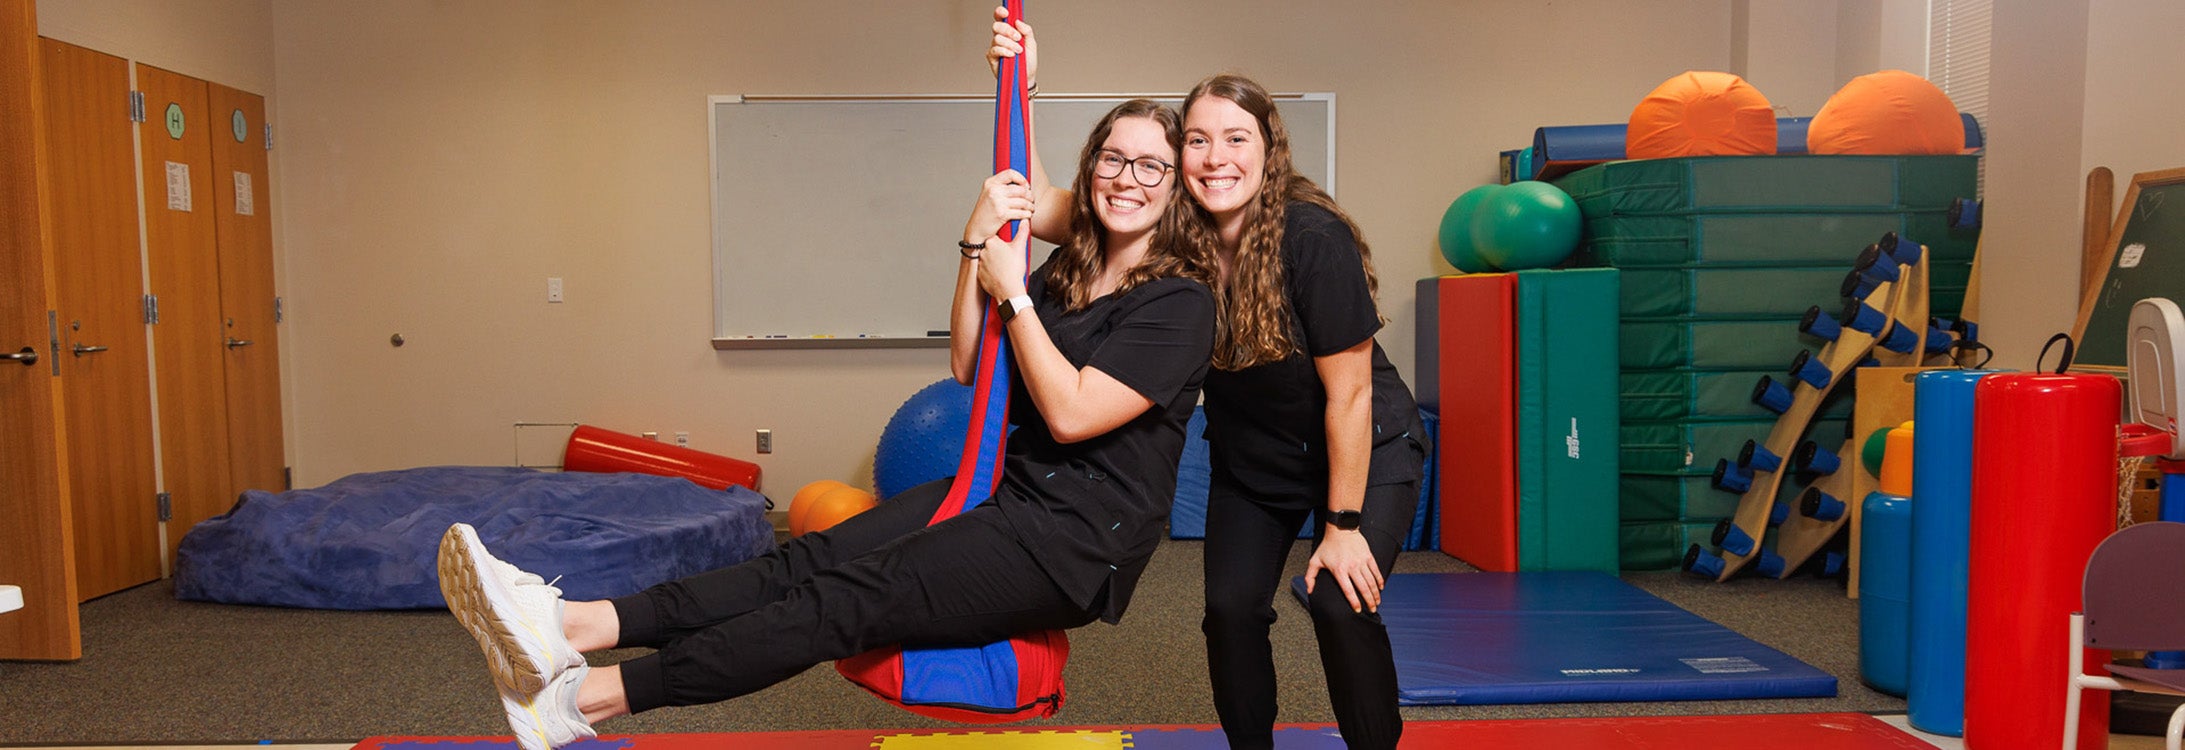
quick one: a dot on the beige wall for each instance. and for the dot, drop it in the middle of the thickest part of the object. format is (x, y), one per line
(437, 161)
(229, 42)
(443, 159)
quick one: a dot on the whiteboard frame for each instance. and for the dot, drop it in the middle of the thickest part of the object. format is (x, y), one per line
(713, 179)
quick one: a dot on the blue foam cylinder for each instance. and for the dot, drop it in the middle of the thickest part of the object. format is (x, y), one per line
(1905, 251)
(1942, 470)
(1812, 457)
(1877, 264)
(1732, 478)
(1964, 214)
(1733, 539)
(1771, 395)
(1857, 286)
(1820, 325)
(1832, 564)
(1702, 563)
(1770, 564)
(1778, 513)
(1821, 506)
(1866, 319)
(1885, 582)
(1757, 456)
(1808, 369)
(1939, 339)
(1901, 339)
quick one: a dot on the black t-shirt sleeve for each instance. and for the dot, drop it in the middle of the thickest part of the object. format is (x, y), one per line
(1328, 283)
(1157, 348)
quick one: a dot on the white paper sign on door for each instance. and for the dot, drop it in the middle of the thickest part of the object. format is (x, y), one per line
(245, 198)
(178, 186)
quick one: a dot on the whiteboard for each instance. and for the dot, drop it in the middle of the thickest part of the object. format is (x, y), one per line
(835, 218)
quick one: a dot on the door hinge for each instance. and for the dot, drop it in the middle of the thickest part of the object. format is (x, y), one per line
(151, 309)
(269, 136)
(166, 507)
(136, 106)
(278, 313)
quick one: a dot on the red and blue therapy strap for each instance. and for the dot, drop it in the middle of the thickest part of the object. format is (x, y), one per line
(980, 468)
(988, 683)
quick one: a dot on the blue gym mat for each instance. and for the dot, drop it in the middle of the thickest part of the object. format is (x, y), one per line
(1563, 637)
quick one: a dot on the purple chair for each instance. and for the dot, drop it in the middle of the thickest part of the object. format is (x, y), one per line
(2134, 600)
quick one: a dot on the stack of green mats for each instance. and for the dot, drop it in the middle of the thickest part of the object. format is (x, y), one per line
(1721, 256)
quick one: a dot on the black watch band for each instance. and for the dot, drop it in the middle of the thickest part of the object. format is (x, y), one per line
(1346, 520)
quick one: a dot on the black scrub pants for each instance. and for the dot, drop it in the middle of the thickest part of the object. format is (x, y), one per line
(879, 578)
(1247, 543)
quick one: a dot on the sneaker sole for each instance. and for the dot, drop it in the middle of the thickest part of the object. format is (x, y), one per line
(516, 663)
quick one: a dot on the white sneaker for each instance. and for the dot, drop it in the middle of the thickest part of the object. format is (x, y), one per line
(515, 617)
(549, 719)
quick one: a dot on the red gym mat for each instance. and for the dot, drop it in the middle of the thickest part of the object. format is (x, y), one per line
(1477, 369)
(1805, 731)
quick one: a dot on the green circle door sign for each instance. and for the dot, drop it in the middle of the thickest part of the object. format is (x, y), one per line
(242, 127)
(175, 125)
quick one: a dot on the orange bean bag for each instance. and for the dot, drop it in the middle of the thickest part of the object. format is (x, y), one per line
(1701, 113)
(1890, 112)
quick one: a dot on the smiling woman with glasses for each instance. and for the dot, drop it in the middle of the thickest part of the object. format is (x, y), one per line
(1110, 340)
(1148, 171)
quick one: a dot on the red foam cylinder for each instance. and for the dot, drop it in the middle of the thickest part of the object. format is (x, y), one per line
(2043, 497)
(593, 449)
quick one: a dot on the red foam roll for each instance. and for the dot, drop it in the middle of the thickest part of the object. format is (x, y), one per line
(596, 450)
(2043, 497)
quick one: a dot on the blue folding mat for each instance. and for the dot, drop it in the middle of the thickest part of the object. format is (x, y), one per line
(1569, 637)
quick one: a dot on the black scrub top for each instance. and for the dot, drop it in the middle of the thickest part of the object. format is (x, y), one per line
(1266, 425)
(1092, 511)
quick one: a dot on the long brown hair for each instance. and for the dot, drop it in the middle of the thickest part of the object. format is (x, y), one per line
(1077, 262)
(1256, 319)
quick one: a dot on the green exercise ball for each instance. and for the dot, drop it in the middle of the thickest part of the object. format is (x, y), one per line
(1529, 224)
(1871, 452)
(1456, 231)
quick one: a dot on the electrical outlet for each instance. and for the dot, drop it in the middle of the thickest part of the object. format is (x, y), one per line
(553, 288)
(766, 441)
(682, 439)
(650, 435)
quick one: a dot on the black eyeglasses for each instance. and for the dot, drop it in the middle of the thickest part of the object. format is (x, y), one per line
(1148, 171)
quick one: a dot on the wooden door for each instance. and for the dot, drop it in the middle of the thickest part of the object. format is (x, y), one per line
(34, 489)
(91, 184)
(245, 231)
(189, 342)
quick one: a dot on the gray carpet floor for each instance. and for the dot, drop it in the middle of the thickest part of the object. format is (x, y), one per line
(159, 670)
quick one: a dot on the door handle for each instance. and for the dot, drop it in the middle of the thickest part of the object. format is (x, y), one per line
(236, 342)
(80, 350)
(27, 356)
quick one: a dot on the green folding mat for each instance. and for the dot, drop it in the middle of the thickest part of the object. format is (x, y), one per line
(1566, 414)
(1700, 291)
(1693, 447)
(1772, 184)
(1683, 497)
(1660, 545)
(1764, 239)
(1756, 343)
(1664, 395)
(1706, 291)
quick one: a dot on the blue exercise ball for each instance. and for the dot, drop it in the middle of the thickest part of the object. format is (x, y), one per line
(924, 439)
(1456, 231)
(1529, 224)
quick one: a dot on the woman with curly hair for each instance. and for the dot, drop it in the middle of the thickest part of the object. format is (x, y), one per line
(1305, 415)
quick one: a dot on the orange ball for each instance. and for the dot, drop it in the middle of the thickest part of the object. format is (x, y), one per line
(833, 506)
(801, 505)
(1701, 113)
(1887, 113)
